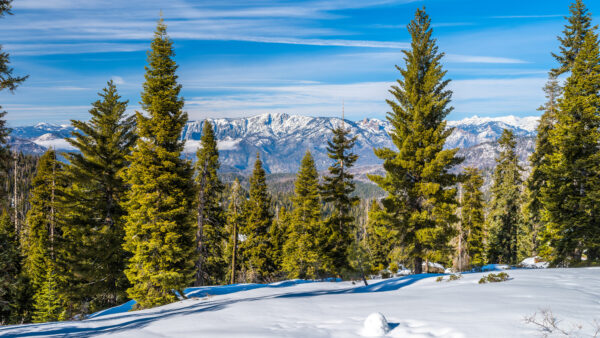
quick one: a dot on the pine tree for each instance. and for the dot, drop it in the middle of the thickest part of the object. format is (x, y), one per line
(94, 229)
(381, 237)
(210, 234)
(421, 197)
(505, 223)
(471, 220)
(543, 148)
(10, 82)
(337, 190)
(48, 304)
(10, 270)
(235, 221)
(42, 243)
(257, 246)
(159, 229)
(302, 255)
(570, 198)
(278, 236)
(580, 23)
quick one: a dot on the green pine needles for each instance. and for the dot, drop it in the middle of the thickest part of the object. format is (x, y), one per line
(159, 228)
(421, 200)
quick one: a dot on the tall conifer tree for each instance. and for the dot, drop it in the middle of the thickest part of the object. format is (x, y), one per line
(570, 196)
(10, 271)
(579, 24)
(472, 219)
(94, 229)
(257, 246)
(235, 221)
(43, 233)
(505, 221)
(336, 190)
(210, 232)
(302, 255)
(421, 198)
(160, 229)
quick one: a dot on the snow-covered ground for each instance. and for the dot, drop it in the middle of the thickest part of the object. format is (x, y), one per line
(414, 306)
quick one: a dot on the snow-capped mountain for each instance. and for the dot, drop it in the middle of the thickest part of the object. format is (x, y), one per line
(282, 139)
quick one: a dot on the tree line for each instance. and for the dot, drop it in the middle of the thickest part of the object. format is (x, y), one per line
(127, 217)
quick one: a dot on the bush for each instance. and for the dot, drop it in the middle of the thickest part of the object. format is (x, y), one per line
(394, 267)
(494, 278)
(454, 277)
(439, 279)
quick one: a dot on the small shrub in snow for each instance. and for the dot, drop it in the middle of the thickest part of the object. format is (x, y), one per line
(550, 326)
(454, 277)
(394, 267)
(439, 279)
(494, 278)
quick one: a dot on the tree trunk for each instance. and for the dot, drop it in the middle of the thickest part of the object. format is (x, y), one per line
(418, 262)
(234, 255)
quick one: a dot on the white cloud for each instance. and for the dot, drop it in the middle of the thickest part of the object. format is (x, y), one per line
(481, 59)
(118, 80)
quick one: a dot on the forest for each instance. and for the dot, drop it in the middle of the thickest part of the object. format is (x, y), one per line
(128, 217)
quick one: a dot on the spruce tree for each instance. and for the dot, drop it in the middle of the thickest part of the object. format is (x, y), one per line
(579, 24)
(48, 304)
(257, 246)
(381, 237)
(421, 196)
(278, 236)
(42, 244)
(159, 229)
(472, 220)
(10, 271)
(570, 198)
(302, 254)
(539, 157)
(505, 222)
(337, 190)
(210, 232)
(235, 221)
(94, 229)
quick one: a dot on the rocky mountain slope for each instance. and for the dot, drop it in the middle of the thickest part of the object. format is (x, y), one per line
(283, 139)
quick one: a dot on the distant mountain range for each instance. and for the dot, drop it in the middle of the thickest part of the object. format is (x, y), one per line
(282, 140)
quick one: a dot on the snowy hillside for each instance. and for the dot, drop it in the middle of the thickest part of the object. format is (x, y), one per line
(282, 139)
(414, 306)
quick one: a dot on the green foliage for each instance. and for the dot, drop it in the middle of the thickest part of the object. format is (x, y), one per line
(235, 221)
(94, 226)
(381, 237)
(494, 278)
(210, 233)
(337, 190)
(48, 304)
(302, 254)
(12, 282)
(421, 200)
(256, 248)
(472, 218)
(159, 230)
(439, 279)
(570, 197)
(454, 277)
(505, 221)
(580, 23)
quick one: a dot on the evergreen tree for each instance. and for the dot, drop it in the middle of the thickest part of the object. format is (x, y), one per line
(48, 304)
(257, 246)
(10, 82)
(421, 198)
(278, 236)
(235, 221)
(302, 255)
(472, 220)
(43, 232)
(381, 237)
(94, 230)
(570, 196)
(580, 23)
(336, 190)
(210, 234)
(159, 229)
(10, 270)
(505, 224)
(539, 157)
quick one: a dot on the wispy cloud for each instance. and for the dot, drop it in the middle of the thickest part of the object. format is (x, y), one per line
(541, 16)
(481, 59)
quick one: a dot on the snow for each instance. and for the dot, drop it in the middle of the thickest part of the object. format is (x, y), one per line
(495, 267)
(375, 325)
(414, 306)
(48, 140)
(534, 263)
(528, 123)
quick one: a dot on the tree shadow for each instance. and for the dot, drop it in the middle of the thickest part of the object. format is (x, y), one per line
(136, 320)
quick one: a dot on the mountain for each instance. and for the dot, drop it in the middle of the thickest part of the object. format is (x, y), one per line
(282, 139)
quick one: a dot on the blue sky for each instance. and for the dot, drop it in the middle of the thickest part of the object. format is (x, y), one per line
(241, 58)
